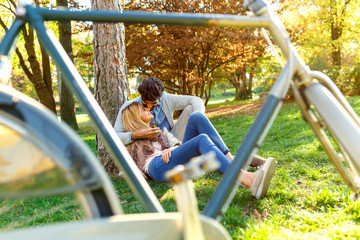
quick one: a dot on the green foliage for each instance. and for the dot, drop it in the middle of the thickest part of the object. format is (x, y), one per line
(266, 73)
(259, 89)
(321, 28)
(22, 84)
(309, 24)
(83, 57)
(349, 78)
(82, 46)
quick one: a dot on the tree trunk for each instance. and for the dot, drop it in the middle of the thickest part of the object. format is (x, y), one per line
(111, 85)
(237, 87)
(337, 24)
(42, 88)
(67, 102)
(336, 32)
(46, 70)
(208, 96)
(242, 85)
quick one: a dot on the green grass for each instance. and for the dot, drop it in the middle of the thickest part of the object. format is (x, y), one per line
(218, 94)
(307, 198)
(218, 98)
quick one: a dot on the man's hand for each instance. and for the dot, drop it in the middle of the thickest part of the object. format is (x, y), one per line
(145, 133)
(166, 155)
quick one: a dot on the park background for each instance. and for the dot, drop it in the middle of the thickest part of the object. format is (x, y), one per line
(229, 68)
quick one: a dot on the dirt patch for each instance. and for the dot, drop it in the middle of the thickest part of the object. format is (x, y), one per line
(244, 109)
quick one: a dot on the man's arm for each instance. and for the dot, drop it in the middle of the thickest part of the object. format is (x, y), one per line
(172, 140)
(179, 102)
(145, 133)
(124, 136)
(128, 137)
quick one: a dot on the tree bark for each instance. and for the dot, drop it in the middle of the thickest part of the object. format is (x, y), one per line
(242, 84)
(46, 70)
(111, 85)
(67, 101)
(336, 33)
(43, 88)
(336, 27)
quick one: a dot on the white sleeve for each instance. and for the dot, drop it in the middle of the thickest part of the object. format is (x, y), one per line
(172, 140)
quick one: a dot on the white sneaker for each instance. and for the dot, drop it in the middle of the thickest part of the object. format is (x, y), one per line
(263, 178)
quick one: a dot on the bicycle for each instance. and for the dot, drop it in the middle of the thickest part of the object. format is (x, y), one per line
(321, 103)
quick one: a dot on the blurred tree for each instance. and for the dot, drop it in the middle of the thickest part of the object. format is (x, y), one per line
(325, 33)
(111, 85)
(337, 17)
(185, 58)
(67, 101)
(266, 73)
(38, 73)
(242, 70)
(83, 57)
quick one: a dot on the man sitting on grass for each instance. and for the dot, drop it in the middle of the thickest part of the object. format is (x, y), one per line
(162, 106)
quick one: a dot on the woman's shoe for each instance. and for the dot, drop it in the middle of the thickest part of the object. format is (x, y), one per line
(263, 178)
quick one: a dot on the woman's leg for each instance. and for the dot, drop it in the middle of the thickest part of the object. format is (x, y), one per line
(179, 128)
(258, 182)
(196, 146)
(197, 124)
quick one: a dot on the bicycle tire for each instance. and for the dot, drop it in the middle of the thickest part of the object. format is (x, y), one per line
(27, 117)
(338, 121)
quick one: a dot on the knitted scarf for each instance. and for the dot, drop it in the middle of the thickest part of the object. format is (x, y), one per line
(142, 149)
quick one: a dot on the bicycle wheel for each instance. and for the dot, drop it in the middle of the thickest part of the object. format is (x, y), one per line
(39, 156)
(342, 126)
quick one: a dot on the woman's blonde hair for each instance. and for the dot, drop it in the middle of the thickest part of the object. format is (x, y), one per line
(131, 117)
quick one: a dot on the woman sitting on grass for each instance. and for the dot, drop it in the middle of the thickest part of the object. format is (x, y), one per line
(154, 157)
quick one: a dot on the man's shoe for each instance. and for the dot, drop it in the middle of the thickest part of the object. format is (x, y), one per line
(263, 178)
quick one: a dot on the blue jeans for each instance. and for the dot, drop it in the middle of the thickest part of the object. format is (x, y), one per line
(200, 137)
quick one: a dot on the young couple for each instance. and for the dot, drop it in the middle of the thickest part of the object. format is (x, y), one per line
(146, 126)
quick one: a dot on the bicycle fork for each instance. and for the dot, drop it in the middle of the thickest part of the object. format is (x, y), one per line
(181, 178)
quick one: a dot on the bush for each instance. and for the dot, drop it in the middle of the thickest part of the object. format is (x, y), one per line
(259, 89)
(228, 94)
(349, 80)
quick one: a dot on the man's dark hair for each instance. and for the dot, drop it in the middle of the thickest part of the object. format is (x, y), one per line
(151, 89)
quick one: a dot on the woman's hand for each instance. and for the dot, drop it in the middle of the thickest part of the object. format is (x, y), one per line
(166, 155)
